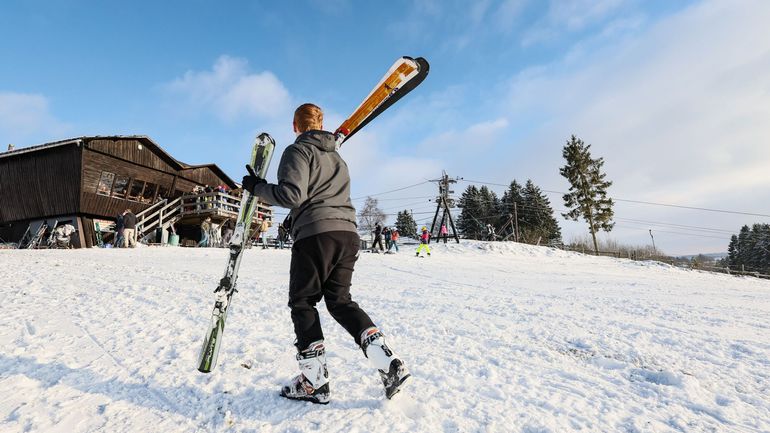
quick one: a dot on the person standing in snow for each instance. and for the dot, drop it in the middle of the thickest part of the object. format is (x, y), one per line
(263, 231)
(205, 228)
(314, 182)
(119, 231)
(386, 236)
(424, 239)
(129, 229)
(377, 239)
(282, 234)
(443, 232)
(393, 239)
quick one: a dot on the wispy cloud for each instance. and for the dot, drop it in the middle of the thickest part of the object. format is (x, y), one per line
(230, 91)
(567, 16)
(678, 109)
(25, 117)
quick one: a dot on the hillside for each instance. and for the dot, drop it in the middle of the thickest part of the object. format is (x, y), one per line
(499, 337)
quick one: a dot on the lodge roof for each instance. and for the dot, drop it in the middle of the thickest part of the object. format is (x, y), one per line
(145, 140)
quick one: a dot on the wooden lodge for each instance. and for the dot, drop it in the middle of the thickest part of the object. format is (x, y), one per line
(85, 180)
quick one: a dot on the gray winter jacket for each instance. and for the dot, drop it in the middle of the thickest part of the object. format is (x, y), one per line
(314, 182)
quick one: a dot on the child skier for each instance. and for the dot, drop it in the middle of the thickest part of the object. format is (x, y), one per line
(313, 181)
(393, 239)
(424, 239)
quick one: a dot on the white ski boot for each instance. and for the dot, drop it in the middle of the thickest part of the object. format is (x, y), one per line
(312, 384)
(392, 370)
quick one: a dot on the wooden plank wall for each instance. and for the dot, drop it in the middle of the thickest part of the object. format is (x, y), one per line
(131, 150)
(108, 207)
(203, 176)
(40, 184)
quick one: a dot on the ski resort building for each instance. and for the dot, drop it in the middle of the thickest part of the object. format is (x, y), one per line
(88, 181)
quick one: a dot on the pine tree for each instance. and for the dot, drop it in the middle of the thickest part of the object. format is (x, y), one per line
(744, 251)
(539, 224)
(468, 223)
(406, 225)
(510, 196)
(491, 208)
(732, 253)
(587, 197)
(763, 246)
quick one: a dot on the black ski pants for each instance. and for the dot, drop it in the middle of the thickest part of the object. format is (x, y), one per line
(322, 267)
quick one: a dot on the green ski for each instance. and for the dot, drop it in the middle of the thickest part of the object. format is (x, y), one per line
(260, 160)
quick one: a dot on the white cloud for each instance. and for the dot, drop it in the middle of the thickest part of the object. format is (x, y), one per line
(25, 117)
(678, 110)
(231, 92)
(566, 16)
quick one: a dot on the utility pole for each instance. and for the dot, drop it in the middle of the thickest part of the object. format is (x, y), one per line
(653, 242)
(516, 221)
(444, 201)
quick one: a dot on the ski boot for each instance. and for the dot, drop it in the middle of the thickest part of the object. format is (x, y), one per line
(312, 384)
(392, 370)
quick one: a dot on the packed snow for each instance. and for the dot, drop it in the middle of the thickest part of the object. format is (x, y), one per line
(499, 338)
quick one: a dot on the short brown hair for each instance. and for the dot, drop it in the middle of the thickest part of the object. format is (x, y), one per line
(307, 117)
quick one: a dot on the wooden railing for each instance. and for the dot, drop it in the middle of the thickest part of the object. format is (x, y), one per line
(219, 203)
(161, 214)
(215, 204)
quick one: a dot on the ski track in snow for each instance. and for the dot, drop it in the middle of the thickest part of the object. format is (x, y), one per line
(498, 337)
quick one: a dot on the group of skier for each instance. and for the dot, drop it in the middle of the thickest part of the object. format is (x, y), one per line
(391, 236)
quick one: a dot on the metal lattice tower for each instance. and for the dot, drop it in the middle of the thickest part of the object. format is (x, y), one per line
(444, 202)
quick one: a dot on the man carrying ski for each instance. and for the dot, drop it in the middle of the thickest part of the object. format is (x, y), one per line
(314, 182)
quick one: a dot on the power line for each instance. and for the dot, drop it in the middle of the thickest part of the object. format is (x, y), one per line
(394, 190)
(642, 202)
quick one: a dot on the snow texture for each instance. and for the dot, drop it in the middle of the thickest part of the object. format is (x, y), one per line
(499, 338)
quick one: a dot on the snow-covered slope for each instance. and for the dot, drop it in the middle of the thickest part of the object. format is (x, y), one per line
(507, 338)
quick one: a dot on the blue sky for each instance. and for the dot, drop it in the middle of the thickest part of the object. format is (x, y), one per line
(673, 94)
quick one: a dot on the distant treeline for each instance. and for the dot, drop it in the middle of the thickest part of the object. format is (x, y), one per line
(750, 249)
(524, 207)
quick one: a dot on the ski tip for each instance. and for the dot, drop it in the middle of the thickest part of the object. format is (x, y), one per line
(264, 136)
(422, 65)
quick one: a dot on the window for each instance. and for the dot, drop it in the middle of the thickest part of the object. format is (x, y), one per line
(105, 183)
(149, 192)
(120, 187)
(162, 192)
(135, 192)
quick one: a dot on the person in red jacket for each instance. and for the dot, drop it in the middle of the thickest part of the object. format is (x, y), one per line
(393, 239)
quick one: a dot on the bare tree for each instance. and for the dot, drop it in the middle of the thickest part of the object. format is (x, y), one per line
(370, 215)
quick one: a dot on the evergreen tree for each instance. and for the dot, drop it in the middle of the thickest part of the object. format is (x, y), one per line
(370, 215)
(744, 252)
(510, 196)
(587, 197)
(491, 208)
(468, 223)
(763, 247)
(539, 224)
(732, 253)
(754, 260)
(406, 225)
